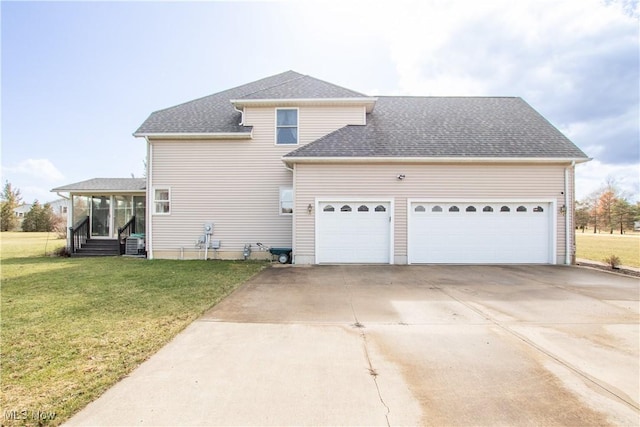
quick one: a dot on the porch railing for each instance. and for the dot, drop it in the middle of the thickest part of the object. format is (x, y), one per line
(79, 234)
(125, 231)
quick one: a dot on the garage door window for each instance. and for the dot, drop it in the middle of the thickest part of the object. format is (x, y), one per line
(380, 208)
(521, 209)
(345, 208)
(454, 209)
(505, 209)
(538, 209)
(363, 208)
(329, 208)
(419, 208)
(436, 209)
(471, 209)
(487, 209)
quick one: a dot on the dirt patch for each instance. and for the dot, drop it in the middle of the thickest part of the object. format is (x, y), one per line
(619, 270)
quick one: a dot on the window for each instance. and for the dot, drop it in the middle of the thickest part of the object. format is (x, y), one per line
(521, 209)
(487, 209)
(162, 201)
(454, 209)
(363, 208)
(380, 208)
(538, 209)
(505, 209)
(329, 208)
(287, 126)
(286, 201)
(436, 209)
(345, 208)
(419, 208)
(471, 209)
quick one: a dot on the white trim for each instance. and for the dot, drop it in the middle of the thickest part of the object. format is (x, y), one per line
(160, 188)
(196, 135)
(560, 160)
(553, 232)
(275, 133)
(367, 102)
(392, 220)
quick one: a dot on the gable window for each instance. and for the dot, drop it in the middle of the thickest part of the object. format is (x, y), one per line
(162, 201)
(286, 200)
(286, 126)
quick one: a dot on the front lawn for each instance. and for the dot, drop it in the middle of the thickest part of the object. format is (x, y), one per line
(72, 327)
(597, 247)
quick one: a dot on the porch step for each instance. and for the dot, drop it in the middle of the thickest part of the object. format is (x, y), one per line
(95, 247)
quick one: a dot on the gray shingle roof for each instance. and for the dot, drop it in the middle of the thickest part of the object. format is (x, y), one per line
(446, 127)
(106, 185)
(215, 113)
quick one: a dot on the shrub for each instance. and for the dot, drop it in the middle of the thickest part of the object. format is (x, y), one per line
(63, 252)
(613, 261)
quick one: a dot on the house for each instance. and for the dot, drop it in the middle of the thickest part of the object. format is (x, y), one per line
(20, 212)
(59, 207)
(343, 177)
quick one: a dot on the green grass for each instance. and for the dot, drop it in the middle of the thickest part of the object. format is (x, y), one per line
(597, 247)
(72, 327)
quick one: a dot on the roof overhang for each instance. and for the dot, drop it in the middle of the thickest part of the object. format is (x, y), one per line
(96, 192)
(195, 136)
(367, 102)
(379, 160)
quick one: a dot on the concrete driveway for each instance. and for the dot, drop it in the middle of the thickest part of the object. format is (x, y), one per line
(398, 345)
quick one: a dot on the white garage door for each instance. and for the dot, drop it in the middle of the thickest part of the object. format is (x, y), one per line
(353, 232)
(479, 233)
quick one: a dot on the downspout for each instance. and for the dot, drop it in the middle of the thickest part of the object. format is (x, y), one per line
(241, 115)
(567, 215)
(149, 212)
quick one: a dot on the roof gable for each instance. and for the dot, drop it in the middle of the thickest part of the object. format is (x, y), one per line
(216, 114)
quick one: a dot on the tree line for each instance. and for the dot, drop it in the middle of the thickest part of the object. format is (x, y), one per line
(606, 209)
(39, 218)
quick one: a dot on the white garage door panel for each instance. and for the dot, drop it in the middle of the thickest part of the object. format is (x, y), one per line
(480, 237)
(353, 237)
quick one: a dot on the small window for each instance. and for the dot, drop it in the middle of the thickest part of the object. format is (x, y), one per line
(471, 209)
(345, 208)
(436, 209)
(287, 126)
(161, 201)
(380, 208)
(363, 208)
(454, 209)
(538, 209)
(419, 208)
(505, 209)
(64, 210)
(286, 201)
(521, 209)
(487, 209)
(329, 208)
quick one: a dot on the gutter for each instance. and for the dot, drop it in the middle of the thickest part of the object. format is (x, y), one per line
(328, 160)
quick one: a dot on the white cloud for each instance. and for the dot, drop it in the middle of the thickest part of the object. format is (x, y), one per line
(37, 168)
(593, 175)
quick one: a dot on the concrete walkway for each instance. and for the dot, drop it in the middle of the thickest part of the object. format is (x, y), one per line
(398, 345)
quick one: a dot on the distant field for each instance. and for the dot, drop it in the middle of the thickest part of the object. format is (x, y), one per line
(597, 247)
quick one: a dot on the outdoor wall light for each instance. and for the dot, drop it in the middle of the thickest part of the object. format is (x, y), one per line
(563, 209)
(309, 208)
(401, 176)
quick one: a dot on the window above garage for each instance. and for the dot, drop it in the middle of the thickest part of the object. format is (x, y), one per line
(286, 125)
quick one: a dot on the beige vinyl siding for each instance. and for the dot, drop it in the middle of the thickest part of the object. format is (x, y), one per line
(422, 181)
(233, 183)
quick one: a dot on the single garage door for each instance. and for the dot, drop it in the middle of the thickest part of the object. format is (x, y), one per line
(480, 233)
(353, 232)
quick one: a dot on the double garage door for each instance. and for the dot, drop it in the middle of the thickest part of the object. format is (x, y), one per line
(437, 232)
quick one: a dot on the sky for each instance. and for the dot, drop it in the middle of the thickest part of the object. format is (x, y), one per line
(78, 78)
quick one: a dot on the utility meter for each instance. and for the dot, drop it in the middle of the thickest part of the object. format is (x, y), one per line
(208, 228)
